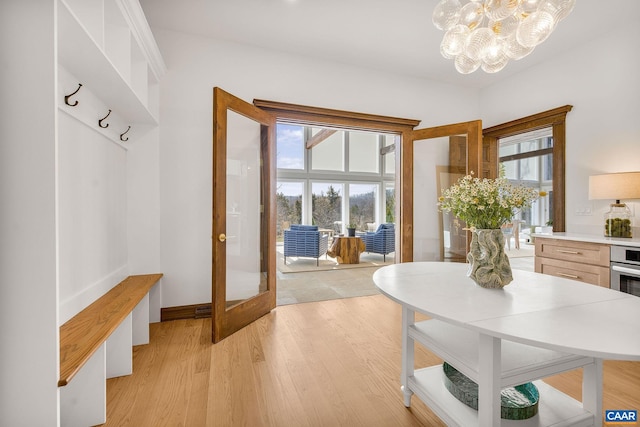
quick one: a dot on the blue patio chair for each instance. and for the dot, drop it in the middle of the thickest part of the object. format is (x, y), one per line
(305, 241)
(382, 241)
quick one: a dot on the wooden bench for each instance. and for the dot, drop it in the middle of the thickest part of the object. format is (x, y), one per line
(96, 344)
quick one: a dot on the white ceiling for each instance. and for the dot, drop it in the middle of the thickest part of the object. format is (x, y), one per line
(391, 35)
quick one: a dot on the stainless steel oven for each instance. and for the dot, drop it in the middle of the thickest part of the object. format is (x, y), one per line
(625, 269)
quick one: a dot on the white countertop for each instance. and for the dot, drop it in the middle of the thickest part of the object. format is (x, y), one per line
(535, 309)
(591, 238)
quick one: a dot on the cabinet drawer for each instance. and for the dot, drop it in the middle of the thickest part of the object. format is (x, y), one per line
(586, 273)
(582, 252)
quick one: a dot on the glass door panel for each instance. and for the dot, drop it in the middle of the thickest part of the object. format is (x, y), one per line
(435, 158)
(439, 163)
(245, 276)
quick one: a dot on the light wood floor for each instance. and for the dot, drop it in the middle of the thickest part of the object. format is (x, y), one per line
(329, 363)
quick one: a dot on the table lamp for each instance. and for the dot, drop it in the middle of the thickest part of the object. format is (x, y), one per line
(616, 186)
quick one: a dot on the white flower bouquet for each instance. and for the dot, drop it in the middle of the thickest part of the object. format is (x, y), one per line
(485, 203)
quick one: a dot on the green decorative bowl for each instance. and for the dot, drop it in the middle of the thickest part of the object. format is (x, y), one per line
(518, 403)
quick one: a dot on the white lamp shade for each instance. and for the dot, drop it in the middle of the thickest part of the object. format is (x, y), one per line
(616, 186)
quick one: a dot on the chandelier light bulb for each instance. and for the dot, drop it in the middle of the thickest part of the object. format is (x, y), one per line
(478, 43)
(535, 29)
(488, 33)
(495, 53)
(498, 10)
(446, 14)
(527, 7)
(445, 54)
(466, 65)
(472, 14)
(559, 9)
(454, 40)
(505, 28)
(496, 66)
(515, 50)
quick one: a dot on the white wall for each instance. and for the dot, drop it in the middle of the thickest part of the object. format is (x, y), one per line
(92, 208)
(28, 250)
(143, 202)
(195, 65)
(600, 80)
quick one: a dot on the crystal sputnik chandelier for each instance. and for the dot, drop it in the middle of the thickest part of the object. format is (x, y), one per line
(487, 34)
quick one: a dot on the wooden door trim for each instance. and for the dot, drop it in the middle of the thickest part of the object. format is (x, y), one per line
(556, 119)
(473, 131)
(308, 115)
(529, 123)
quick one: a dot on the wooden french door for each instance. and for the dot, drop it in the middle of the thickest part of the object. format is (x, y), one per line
(243, 237)
(425, 172)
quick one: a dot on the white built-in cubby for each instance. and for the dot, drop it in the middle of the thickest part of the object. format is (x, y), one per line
(108, 47)
(108, 71)
(67, 211)
(117, 39)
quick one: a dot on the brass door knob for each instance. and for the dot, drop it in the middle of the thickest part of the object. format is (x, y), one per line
(222, 237)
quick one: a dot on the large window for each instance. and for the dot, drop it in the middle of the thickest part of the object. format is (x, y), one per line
(390, 202)
(289, 205)
(527, 159)
(364, 152)
(333, 178)
(290, 146)
(328, 155)
(553, 166)
(363, 199)
(389, 158)
(326, 204)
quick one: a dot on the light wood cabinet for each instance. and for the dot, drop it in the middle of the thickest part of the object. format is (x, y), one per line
(583, 261)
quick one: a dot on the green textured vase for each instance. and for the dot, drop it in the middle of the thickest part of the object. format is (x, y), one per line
(488, 263)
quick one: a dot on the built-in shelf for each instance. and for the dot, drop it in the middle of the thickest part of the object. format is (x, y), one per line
(117, 39)
(139, 73)
(97, 45)
(90, 13)
(520, 363)
(554, 409)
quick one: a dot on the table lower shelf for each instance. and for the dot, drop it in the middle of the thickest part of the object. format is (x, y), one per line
(555, 408)
(520, 363)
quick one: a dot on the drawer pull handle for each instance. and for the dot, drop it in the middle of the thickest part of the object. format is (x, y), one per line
(570, 276)
(564, 251)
